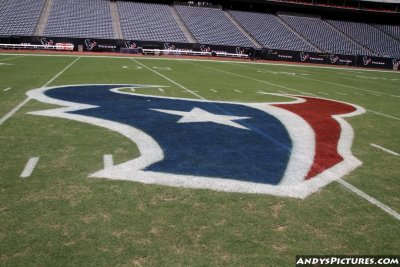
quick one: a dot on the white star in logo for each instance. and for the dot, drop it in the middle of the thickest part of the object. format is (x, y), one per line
(200, 115)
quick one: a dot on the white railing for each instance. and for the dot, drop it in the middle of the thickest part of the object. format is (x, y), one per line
(57, 46)
(191, 53)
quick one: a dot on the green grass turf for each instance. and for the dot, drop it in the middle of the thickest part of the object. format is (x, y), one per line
(60, 217)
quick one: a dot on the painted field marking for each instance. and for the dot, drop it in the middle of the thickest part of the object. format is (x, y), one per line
(162, 68)
(29, 167)
(170, 80)
(352, 70)
(348, 86)
(189, 92)
(5, 90)
(262, 92)
(307, 93)
(366, 81)
(13, 111)
(133, 89)
(340, 93)
(250, 78)
(370, 199)
(215, 91)
(347, 185)
(20, 105)
(382, 114)
(386, 150)
(238, 91)
(282, 92)
(124, 67)
(108, 161)
(160, 89)
(11, 58)
(374, 94)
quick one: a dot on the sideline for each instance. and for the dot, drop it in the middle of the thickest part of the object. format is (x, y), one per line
(293, 64)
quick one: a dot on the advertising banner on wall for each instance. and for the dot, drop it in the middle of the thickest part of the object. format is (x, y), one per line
(378, 62)
(134, 46)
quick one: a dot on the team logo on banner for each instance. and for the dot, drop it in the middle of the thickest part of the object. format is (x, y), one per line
(46, 42)
(334, 59)
(366, 60)
(288, 149)
(304, 56)
(90, 44)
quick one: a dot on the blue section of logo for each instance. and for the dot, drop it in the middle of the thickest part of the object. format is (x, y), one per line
(258, 152)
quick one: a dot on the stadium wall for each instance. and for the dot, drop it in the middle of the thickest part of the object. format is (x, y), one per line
(113, 45)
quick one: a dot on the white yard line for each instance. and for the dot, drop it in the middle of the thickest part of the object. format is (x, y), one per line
(386, 150)
(382, 114)
(13, 111)
(108, 161)
(60, 73)
(348, 86)
(170, 80)
(20, 105)
(29, 167)
(5, 90)
(370, 199)
(11, 58)
(250, 78)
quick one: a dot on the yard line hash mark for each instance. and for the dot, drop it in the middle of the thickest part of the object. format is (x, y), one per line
(5, 90)
(20, 105)
(238, 91)
(161, 90)
(370, 199)
(108, 161)
(215, 91)
(386, 150)
(29, 167)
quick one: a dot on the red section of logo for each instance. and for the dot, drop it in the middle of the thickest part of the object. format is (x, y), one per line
(318, 113)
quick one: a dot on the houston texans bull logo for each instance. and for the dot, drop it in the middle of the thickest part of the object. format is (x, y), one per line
(287, 149)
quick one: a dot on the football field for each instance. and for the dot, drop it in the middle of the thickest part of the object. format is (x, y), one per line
(105, 181)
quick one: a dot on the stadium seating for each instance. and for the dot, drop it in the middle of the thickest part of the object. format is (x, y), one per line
(212, 26)
(149, 22)
(76, 18)
(19, 17)
(324, 36)
(370, 37)
(393, 30)
(156, 22)
(269, 31)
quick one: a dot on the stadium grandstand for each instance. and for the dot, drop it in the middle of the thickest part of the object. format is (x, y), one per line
(307, 25)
